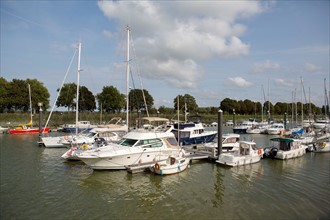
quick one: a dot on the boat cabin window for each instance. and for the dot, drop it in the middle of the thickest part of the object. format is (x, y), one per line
(244, 149)
(199, 131)
(150, 143)
(230, 140)
(285, 146)
(127, 142)
(90, 134)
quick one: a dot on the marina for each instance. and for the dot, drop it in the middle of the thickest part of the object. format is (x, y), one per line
(37, 183)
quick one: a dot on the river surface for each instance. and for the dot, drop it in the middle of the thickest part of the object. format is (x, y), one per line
(37, 184)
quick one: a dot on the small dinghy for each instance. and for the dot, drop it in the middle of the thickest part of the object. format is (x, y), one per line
(171, 166)
(248, 153)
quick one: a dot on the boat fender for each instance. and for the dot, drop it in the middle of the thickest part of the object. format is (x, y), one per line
(65, 137)
(259, 151)
(323, 145)
(84, 147)
(157, 166)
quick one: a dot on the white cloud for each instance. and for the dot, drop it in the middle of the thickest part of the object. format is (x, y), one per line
(312, 68)
(173, 38)
(240, 82)
(284, 82)
(265, 66)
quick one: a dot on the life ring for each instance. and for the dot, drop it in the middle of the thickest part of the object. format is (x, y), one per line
(259, 151)
(157, 166)
(84, 147)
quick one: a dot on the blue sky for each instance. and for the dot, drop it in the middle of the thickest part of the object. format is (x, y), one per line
(209, 49)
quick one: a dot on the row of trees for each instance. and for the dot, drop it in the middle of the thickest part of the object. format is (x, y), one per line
(14, 96)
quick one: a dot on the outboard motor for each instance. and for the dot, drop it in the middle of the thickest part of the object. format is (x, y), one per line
(273, 152)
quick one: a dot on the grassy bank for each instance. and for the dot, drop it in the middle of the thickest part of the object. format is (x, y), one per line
(60, 118)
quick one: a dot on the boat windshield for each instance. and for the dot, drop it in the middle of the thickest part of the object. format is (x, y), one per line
(90, 134)
(127, 142)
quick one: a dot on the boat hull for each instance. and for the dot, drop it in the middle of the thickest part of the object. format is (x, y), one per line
(198, 140)
(167, 169)
(122, 161)
(27, 131)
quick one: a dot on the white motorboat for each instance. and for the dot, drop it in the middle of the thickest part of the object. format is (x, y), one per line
(81, 125)
(109, 134)
(230, 143)
(172, 165)
(241, 129)
(276, 128)
(321, 123)
(141, 147)
(285, 148)
(248, 153)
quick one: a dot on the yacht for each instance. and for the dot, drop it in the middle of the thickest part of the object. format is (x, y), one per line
(276, 128)
(241, 129)
(247, 153)
(136, 148)
(285, 148)
(192, 133)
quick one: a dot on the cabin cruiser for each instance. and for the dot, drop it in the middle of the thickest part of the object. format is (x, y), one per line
(138, 147)
(241, 129)
(247, 153)
(285, 148)
(320, 123)
(192, 133)
(276, 128)
(81, 125)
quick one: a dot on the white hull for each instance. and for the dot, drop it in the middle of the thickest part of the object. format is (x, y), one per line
(245, 155)
(53, 142)
(284, 155)
(231, 160)
(167, 168)
(122, 160)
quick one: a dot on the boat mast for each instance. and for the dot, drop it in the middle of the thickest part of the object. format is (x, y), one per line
(302, 106)
(77, 96)
(127, 76)
(30, 103)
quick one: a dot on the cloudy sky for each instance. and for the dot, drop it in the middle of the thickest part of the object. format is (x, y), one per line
(209, 49)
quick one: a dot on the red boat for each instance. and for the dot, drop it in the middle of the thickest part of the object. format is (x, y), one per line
(26, 129)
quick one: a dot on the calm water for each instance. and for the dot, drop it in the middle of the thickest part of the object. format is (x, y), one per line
(37, 184)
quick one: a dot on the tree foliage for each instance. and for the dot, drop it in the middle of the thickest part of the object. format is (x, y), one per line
(111, 99)
(136, 101)
(187, 100)
(14, 95)
(67, 98)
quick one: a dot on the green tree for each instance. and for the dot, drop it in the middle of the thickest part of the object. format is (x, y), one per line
(111, 99)
(86, 100)
(39, 93)
(188, 100)
(67, 96)
(228, 105)
(4, 95)
(136, 101)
